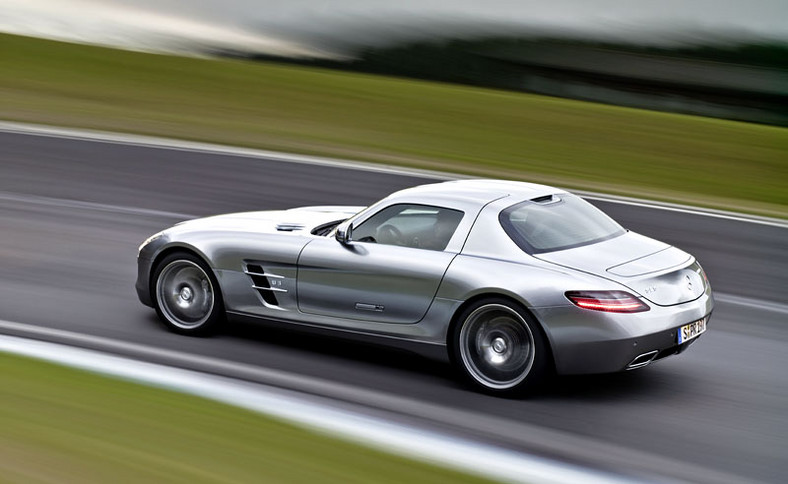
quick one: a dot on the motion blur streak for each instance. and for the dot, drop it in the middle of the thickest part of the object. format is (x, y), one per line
(319, 29)
(412, 442)
(76, 204)
(176, 144)
(752, 303)
(131, 27)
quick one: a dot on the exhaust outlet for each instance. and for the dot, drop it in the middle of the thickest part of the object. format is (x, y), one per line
(642, 360)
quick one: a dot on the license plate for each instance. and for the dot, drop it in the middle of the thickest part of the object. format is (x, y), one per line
(692, 330)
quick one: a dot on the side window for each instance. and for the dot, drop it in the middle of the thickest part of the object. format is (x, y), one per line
(416, 226)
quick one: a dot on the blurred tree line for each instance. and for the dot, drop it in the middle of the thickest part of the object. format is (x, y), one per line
(745, 81)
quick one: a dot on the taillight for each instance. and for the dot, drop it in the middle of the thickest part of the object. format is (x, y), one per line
(705, 278)
(608, 301)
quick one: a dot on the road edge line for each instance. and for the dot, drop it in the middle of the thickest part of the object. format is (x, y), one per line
(553, 444)
(204, 147)
(398, 439)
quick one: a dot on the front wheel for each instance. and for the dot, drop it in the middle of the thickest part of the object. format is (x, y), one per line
(499, 348)
(186, 295)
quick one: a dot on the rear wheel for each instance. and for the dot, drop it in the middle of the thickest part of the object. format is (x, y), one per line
(499, 348)
(186, 295)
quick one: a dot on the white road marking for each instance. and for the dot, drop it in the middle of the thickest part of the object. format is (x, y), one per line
(415, 443)
(100, 207)
(513, 467)
(199, 147)
(675, 207)
(549, 441)
(181, 145)
(752, 303)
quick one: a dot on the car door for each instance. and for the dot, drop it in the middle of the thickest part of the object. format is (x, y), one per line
(388, 273)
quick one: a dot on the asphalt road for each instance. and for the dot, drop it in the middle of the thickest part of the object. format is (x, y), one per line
(72, 213)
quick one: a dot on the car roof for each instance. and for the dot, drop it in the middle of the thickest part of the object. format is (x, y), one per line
(477, 191)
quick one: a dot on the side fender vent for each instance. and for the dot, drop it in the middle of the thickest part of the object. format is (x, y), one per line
(266, 284)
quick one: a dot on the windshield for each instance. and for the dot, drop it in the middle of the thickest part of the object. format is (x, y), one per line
(557, 222)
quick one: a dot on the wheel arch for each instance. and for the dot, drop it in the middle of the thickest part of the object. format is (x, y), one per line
(174, 249)
(509, 298)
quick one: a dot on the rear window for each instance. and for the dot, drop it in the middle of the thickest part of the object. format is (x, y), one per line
(557, 222)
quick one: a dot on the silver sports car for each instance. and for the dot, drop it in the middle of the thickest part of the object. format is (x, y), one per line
(511, 281)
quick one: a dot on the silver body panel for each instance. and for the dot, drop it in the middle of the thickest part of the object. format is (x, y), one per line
(352, 283)
(271, 268)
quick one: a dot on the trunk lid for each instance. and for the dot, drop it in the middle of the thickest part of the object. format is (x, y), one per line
(654, 270)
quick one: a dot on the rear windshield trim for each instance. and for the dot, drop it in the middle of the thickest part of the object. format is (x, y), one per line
(508, 227)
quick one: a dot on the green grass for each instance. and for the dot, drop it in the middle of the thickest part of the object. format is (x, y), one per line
(68, 426)
(690, 159)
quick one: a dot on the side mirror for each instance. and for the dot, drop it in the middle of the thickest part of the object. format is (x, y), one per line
(344, 233)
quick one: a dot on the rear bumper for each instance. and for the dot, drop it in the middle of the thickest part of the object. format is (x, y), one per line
(586, 341)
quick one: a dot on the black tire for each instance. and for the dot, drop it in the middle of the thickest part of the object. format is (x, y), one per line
(186, 295)
(499, 348)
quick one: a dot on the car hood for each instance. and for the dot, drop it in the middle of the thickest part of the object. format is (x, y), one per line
(654, 270)
(301, 220)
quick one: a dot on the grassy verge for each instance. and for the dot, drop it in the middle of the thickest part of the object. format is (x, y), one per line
(64, 425)
(704, 161)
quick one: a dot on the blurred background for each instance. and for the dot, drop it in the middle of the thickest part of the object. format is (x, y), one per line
(724, 58)
(675, 101)
(294, 76)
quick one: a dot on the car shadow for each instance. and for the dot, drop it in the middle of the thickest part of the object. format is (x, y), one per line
(337, 346)
(649, 382)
